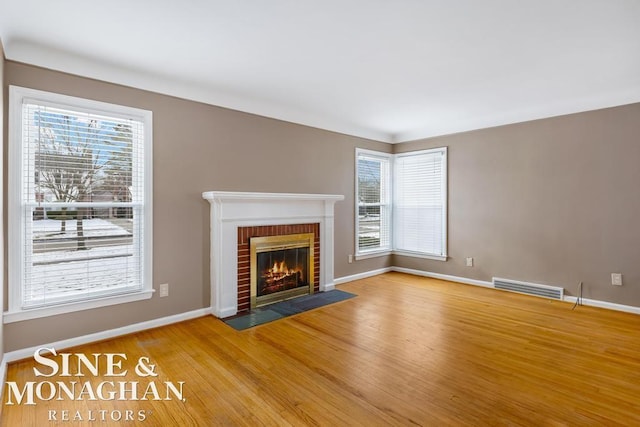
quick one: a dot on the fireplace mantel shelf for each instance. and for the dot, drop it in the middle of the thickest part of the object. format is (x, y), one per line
(230, 210)
(235, 195)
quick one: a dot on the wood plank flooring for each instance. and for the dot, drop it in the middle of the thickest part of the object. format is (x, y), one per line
(406, 351)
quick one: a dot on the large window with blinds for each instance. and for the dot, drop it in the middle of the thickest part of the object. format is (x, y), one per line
(401, 203)
(420, 203)
(373, 202)
(79, 204)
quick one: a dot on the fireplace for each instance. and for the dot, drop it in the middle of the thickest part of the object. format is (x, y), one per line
(281, 267)
(292, 239)
(237, 217)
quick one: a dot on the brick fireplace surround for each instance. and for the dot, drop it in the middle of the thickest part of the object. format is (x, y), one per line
(236, 216)
(245, 233)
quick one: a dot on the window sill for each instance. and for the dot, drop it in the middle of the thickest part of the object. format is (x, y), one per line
(36, 313)
(367, 255)
(420, 255)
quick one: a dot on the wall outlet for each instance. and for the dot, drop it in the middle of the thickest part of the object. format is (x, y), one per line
(350, 259)
(164, 290)
(469, 262)
(616, 279)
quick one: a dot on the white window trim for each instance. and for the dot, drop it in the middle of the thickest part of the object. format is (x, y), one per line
(419, 255)
(445, 198)
(39, 312)
(393, 251)
(17, 95)
(373, 254)
(376, 252)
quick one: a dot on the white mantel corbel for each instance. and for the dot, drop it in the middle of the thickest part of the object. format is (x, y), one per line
(230, 210)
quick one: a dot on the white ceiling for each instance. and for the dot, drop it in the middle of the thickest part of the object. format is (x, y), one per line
(389, 70)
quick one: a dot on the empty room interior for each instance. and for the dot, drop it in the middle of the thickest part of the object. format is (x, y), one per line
(320, 213)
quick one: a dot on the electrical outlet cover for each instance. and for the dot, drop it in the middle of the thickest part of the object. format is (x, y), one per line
(616, 279)
(164, 290)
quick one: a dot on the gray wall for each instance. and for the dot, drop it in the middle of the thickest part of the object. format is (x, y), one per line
(553, 201)
(197, 148)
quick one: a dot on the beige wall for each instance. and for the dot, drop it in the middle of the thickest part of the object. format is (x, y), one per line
(2, 233)
(554, 201)
(197, 148)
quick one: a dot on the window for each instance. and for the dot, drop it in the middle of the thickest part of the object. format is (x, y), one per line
(79, 204)
(373, 199)
(420, 200)
(415, 223)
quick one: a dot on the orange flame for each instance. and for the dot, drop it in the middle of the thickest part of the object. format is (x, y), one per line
(281, 269)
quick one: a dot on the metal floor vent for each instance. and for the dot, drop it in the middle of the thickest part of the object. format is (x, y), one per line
(545, 291)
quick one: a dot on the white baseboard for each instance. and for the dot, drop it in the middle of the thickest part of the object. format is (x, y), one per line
(379, 271)
(328, 287)
(225, 312)
(604, 304)
(24, 353)
(345, 279)
(443, 277)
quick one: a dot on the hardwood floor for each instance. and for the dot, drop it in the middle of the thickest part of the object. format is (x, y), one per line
(406, 351)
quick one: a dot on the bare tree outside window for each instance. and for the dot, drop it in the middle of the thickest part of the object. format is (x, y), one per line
(118, 168)
(81, 181)
(75, 159)
(373, 217)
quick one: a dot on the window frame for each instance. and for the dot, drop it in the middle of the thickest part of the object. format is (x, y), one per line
(392, 250)
(16, 203)
(386, 249)
(444, 184)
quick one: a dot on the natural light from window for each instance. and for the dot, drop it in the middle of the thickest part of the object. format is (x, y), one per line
(81, 183)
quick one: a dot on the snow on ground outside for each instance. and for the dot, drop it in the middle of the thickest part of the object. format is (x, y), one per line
(78, 278)
(74, 255)
(50, 228)
(82, 276)
(70, 273)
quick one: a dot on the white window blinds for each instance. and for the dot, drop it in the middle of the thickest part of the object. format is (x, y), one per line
(420, 197)
(84, 202)
(373, 218)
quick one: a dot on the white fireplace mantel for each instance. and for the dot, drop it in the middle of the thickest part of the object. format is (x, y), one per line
(230, 210)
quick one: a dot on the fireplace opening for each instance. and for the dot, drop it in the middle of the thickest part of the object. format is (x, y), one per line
(281, 267)
(282, 270)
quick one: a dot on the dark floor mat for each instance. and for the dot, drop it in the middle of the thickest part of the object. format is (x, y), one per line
(286, 308)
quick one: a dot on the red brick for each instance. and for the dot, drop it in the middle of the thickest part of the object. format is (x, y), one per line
(244, 235)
